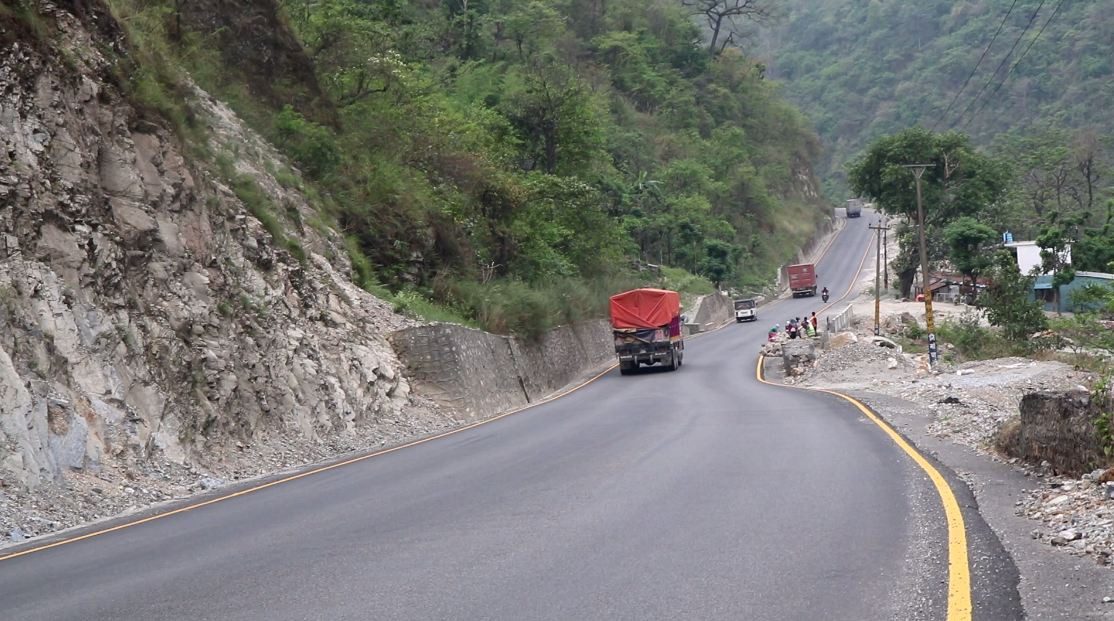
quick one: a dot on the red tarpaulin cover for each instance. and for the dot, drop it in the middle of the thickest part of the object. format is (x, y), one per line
(644, 308)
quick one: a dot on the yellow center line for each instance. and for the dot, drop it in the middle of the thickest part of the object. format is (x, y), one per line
(959, 571)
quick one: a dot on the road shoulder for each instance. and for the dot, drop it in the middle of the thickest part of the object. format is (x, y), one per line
(1052, 585)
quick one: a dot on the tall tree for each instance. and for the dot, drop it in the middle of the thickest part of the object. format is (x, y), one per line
(1008, 302)
(1055, 245)
(723, 18)
(969, 244)
(959, 181)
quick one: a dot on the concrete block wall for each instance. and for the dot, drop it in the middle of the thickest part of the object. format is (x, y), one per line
(460, 367)
(564, 354)
(712, 310)
(841, 321)
(480, 374)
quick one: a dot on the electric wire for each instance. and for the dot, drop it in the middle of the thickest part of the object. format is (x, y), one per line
(1019, 59)
(985, 51)
(1005, 60)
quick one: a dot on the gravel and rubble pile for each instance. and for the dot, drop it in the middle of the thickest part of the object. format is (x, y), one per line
(1077, 514)
(972, 402)
(859, 361)
(968, 403)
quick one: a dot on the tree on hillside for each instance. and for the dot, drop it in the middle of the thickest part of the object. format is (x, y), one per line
(530, 145)
(554, 112)
(723, 18)
(1091, 165)
(1094, 250)
(1088, 328)
(960, 181)
(969, 243)
(1054, 243)
(719, 261)
(1007, 300)
(1059, 171)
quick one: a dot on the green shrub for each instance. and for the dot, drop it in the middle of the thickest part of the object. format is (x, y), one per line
(361, 265)
(1104, 420)
(679, 280)
(914, 331)
(973, 341)
(413, 303)
(314, 147)
(259, 205)
(26, 12)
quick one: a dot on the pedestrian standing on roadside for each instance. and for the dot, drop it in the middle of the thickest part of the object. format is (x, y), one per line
(815, 322)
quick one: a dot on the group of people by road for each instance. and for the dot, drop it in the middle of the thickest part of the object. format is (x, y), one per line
(796, 327)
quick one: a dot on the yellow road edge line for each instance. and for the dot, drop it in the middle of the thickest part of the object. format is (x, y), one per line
(959, 571)
(96, 533)
(302, 475)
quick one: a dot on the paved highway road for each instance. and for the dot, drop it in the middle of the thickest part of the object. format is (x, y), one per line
(700, 494)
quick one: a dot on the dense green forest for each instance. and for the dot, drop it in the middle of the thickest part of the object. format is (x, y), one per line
(861, 69)
(515, 162)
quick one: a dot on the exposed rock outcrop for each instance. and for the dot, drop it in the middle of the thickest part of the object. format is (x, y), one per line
(145, 316)
(1057, 427)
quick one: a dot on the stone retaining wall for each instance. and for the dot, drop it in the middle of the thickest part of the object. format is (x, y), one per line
(480, 374)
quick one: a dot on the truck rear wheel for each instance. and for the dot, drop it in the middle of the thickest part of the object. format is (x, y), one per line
(673, 364)
(627, 368)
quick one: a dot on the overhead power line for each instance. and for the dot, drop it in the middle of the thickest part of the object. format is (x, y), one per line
(1019, 59)
(976, 67)
(1005, 60)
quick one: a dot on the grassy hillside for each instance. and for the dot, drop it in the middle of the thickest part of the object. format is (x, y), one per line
(510, 161)
(863, 69)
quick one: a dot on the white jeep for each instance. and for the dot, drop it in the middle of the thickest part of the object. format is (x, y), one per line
(746, 310)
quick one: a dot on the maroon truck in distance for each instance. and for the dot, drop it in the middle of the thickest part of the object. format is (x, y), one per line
(802, 279)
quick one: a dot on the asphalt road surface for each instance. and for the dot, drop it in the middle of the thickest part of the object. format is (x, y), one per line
(699, 494)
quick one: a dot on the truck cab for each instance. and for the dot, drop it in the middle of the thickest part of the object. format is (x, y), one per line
(746, 310)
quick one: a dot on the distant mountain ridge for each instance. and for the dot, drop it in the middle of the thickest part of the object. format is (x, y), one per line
(860, 70)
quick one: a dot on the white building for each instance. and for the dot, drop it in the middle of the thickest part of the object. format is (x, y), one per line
(1029, 255)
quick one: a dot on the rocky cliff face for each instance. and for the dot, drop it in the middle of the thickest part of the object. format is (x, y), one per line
(151, 331)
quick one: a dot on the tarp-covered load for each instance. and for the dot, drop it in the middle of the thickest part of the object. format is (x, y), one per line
(645, 308)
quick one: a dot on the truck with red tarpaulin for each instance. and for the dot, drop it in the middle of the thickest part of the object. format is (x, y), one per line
(802, 279)
(646, 324)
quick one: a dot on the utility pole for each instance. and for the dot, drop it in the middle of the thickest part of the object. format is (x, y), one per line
(930, 325)
(878, 267)
(886, 256)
